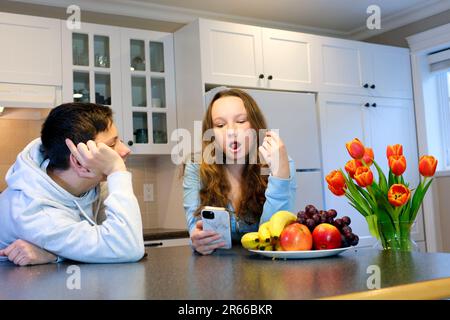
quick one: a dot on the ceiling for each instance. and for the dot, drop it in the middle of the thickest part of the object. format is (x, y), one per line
(345, 18)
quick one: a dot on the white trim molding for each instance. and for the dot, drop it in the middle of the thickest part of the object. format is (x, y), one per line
(424, 85)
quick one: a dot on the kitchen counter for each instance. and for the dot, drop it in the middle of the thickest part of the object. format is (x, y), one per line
(178, 273)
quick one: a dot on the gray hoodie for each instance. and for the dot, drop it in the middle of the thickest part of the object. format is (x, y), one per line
(36, 209)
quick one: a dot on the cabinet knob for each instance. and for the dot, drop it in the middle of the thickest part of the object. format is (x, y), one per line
(366, 85)
(374, 105)
(367, 105)
(372, 86)
(130, 143)
(270, 77)
(261, 76)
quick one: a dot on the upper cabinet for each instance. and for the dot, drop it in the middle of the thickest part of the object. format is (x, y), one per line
(130, 70)
(30, 50)
(354, 67)
(148, 88)
(249, 56)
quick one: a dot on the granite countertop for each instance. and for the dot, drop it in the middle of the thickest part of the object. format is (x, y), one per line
(164, 234)
(178, 273)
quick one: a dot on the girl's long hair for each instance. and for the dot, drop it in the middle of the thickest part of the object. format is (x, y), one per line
(215, 186)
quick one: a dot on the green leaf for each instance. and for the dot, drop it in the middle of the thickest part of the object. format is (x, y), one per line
(381, 178)
(418, 198)
(372, 223)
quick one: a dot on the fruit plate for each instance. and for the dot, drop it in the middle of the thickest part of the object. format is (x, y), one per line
(309, 254)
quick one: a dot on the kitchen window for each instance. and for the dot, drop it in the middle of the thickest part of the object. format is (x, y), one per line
(443, 102)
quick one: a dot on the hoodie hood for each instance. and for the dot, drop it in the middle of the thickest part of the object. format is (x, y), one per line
(28, 175)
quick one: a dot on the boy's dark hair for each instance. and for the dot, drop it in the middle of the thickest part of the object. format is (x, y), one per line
(77, 121)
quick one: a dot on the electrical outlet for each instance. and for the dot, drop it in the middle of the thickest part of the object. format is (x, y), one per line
(148, 192)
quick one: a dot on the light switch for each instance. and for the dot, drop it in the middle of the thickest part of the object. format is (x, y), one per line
(148, 192)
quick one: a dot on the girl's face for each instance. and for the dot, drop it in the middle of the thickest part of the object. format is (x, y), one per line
(232, 130)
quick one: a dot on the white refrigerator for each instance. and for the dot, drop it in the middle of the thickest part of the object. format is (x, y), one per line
(295, 116)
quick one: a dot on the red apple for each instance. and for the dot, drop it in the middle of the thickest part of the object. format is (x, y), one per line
(296, 237)
(326, 236)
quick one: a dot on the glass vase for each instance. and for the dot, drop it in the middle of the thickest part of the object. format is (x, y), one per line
(395, 236)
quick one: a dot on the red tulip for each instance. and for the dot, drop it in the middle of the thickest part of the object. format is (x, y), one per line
(398, 195)
(397, 164)
(427, 166)
(355, 148)
(352, 165)
(368, 156)
(363, 176)
(394, 150)
(336, 179)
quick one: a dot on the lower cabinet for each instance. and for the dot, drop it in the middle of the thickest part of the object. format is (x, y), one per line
(167, 243)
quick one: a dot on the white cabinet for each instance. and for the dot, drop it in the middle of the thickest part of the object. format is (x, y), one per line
(130, 70)
(249, 56)
(91, 67)
(384, 121)
(148, 88)
(30, 50)
(366, 69)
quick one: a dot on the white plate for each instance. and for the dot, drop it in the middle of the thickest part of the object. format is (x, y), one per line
(310, 254)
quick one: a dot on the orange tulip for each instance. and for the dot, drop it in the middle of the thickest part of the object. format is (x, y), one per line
(368, 156)
(397, 164)
(427, 166)
(337, 192)
(363, 176)
(394, 150)
(352, 165)
(355, 148)
(336, 179)
(398, 195)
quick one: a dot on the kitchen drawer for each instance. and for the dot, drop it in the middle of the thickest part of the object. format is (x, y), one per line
(167, 242)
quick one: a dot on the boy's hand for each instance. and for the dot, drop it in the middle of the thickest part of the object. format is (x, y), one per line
(23, 253)
(97, 157)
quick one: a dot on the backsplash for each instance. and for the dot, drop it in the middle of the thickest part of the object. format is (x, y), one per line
(16, 134)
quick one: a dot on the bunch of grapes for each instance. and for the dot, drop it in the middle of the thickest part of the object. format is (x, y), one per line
(311, 217)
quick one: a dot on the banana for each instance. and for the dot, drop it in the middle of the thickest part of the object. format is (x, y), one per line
(278, 221)
(250, 240)
(267, 247)
(264, 233)
(277, 246)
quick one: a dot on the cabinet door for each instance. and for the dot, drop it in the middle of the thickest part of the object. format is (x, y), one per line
(231, 54)
(344, 67)
(289, 60)
(148, 87)
(391, 69)
(392, 122)
(30, 50)
(343, 118)
(91, 67)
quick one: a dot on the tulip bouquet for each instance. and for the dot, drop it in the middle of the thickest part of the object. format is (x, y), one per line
(389, 205)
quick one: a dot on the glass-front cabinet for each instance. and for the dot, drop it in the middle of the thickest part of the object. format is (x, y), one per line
(130, 70)
(148, 90)
(91, 67)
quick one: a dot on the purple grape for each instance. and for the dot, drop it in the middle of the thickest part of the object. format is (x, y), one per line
(332, 213)
(338, 223)
(316, 218)
(344, 243)
(311, 224)
(355, 241)
(346, 229)
(302, 216)
(346, 220)
(310, 210)
(323, 217)
(330, 220)
(301, 220)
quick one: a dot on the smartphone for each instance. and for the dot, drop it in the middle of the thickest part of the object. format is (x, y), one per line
(218, 220)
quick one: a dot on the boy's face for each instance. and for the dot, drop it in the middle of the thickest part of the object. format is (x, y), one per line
(111, 139)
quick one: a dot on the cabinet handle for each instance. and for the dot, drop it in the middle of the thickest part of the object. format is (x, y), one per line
(374, 105)
(366, 85)
(261, 76)
(270, 77)
(367, 105)
(130, 143)
(372, 86)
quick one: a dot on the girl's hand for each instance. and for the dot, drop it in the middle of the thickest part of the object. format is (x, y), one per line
(274, 153)
(201, 240)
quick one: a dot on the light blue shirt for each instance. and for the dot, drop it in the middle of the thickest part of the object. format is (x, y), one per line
(280, 195)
